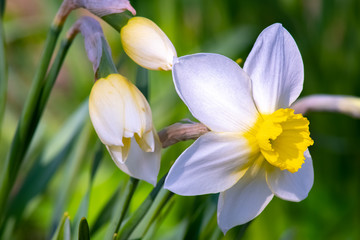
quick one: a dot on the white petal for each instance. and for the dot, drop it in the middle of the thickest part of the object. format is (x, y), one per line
(244, 201)
(214, 163)
(137, 113)
(118, 109)
(275, 68)
(292, 186)
(106, 109)
(216, 90)
(142, 165)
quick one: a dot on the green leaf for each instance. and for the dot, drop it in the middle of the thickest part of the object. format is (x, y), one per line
(84, 205)
(195, 219)
(48, 162)
(159, 204)
(237, 232)
(136, 218)
(142, 81)
(84, 233)
(2, 8)
(63, 229)
(27, 124)
(3, 71)
(72, 166)
(97, 159)
(156, 221)
(121, 208)
(106, 213)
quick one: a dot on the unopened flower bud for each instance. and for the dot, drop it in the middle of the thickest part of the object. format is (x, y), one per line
(122, 119)
(146, 44)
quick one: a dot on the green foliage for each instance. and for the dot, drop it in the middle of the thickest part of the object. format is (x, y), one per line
(61, 166)
(84, 232)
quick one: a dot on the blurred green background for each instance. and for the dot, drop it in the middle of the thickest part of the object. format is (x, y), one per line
(328, 35)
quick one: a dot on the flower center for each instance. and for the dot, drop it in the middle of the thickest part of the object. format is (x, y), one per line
(282, 138)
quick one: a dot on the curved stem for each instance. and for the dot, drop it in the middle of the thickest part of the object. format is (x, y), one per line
(32, 111)
(129, 192)
(135, 219)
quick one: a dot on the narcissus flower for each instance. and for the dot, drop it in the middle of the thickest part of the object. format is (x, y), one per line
(122, 119)
(257, 147)
(146, 44)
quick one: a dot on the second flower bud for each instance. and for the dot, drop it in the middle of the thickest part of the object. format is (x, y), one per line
(146, 44)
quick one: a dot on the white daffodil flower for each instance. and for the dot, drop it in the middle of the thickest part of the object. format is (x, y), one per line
(122, 119)
(257, 147)
(146, 44)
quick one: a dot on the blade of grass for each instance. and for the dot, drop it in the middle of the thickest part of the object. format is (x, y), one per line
(195, 219)
(44, 168)
(84, 233)
(121, 208)
(2, 8)
(106, 212)
(84, 205)
(135, 219)
(59, 233)
(72, 166)
(37, 180)
(29, 117)
(142, 81)
(3, 70)
(28, 120)
(155, 226)
(163, 198)
(237, 232)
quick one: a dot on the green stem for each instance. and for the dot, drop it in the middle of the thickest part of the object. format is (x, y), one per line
(52, 76)
(3, 73)
(28, 120)
(129, 192)
(106, 65)
(135, 219)
(117, 20)
(2, 8)
(165, 197)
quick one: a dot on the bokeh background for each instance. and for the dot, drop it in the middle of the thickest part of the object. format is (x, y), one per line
(328, 35)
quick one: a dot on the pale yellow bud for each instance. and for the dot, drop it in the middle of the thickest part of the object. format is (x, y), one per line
(146, 44)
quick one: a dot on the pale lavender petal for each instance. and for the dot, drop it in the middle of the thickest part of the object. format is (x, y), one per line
(214, 163)
(276, 69)
(216, 90)
(244, 201)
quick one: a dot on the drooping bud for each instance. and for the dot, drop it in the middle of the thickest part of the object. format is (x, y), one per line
(122, 119)
(146, 44)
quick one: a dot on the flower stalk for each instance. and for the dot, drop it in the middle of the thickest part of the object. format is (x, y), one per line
(165, 196)
(3, 66)
(136, 218)
(347, 105)
(34, 105)
(128, 194)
